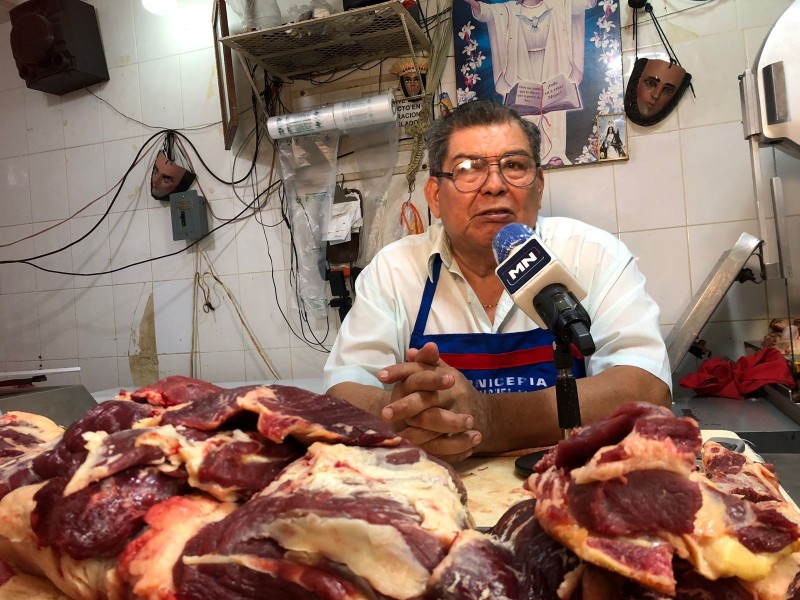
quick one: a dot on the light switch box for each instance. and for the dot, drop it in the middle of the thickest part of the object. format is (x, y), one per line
(189, 215)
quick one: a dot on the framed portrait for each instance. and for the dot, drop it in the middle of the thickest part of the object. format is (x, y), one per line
(612, 137)
(227, 88)
(558, 63)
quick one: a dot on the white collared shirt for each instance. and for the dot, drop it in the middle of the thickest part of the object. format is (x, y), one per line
(377, 330)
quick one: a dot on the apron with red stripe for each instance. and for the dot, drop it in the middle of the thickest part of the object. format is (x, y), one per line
(494, 362)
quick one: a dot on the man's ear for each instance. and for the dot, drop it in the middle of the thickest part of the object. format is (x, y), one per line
(432, 195)
(540, 187)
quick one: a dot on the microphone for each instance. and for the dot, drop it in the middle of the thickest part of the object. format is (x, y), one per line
(541, 286)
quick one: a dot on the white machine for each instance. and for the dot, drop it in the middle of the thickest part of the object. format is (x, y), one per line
(771, 117)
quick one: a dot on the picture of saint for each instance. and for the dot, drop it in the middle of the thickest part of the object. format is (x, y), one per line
(556, 62)
(611, 146)
(612, 137)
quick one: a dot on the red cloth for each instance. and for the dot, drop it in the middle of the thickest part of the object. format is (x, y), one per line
(721, 377)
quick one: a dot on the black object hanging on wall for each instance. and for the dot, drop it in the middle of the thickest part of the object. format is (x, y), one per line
(56, 45)
(655, 86)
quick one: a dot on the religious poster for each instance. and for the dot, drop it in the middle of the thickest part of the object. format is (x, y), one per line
(556, 62)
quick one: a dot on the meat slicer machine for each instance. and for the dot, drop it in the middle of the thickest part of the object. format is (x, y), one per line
(770, 96)
(62, 404)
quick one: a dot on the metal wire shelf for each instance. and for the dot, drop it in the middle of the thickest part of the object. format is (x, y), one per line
(342, 40)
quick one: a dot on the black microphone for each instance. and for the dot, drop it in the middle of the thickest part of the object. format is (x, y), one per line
(541, 286)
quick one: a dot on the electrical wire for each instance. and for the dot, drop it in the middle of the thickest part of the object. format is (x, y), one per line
(675, 12)
(239, 313)
(362, 67)
(77, 212)
(137, 263)
(96, 225)
(116, 110)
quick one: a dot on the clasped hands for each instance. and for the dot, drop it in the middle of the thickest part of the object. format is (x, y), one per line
(433, 405)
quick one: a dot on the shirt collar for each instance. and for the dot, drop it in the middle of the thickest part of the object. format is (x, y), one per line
(440, 244)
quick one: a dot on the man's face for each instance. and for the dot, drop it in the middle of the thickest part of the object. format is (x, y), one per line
(166, 176)
(659, 82)
(472, 219)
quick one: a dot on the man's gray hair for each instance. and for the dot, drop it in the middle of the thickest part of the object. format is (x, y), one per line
(475, 114)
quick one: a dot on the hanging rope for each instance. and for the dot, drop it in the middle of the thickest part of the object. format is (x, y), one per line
(648, 8)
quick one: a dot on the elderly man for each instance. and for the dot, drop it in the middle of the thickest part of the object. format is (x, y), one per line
(432, 301)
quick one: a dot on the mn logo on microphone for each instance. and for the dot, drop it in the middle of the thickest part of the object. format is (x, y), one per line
(523, 265)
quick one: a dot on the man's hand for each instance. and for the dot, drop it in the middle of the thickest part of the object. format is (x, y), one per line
(433, 403)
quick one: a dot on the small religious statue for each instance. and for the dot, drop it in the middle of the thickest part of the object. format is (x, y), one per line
(411, 76)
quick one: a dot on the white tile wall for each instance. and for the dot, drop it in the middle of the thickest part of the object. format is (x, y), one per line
(91, 257)
(95, 317)
(15, 189)
(44, 121)
(83, 119)
(161, 110)
(54, 239)
(649, 185)
(123, 228)
(9, 79)
(86, 179)
(682, 199)
(58, 326)
(173, 313)
(16, 278)
(49, 199)
(14, 141)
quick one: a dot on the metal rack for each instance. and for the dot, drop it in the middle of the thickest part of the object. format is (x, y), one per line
(342, 40)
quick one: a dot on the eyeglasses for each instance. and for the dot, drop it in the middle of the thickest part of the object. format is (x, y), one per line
(518, 170)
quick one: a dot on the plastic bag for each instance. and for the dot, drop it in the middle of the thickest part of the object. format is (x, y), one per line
(315, 10)
(257, 14)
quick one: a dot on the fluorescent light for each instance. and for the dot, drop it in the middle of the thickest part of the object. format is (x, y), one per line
(161, 7)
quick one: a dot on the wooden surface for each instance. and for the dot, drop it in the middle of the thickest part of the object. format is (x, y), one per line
(493, 486)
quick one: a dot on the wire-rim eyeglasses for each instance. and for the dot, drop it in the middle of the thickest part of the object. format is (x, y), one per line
(470, 174)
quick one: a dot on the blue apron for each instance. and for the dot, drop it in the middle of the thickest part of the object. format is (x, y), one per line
(494, 362)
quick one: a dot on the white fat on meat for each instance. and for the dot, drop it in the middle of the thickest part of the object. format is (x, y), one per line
(779, 581)
(146, 564)
(95, 466)
(30, 424)
(178, 450)
(378, 553)
(27, 587)
(713, 547)
(78, 579)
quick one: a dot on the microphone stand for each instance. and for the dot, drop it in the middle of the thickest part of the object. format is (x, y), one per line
(569, 322)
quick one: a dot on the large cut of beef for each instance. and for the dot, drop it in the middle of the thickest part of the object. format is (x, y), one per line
(187, 491)
(624, 494)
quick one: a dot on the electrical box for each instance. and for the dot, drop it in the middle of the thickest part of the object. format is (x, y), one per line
(189, 215)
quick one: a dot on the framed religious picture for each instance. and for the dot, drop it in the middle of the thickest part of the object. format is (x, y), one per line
(556, 62)
(612, 137)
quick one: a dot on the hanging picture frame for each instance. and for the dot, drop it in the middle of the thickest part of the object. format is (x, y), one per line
(612, 137)
(558, 63)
